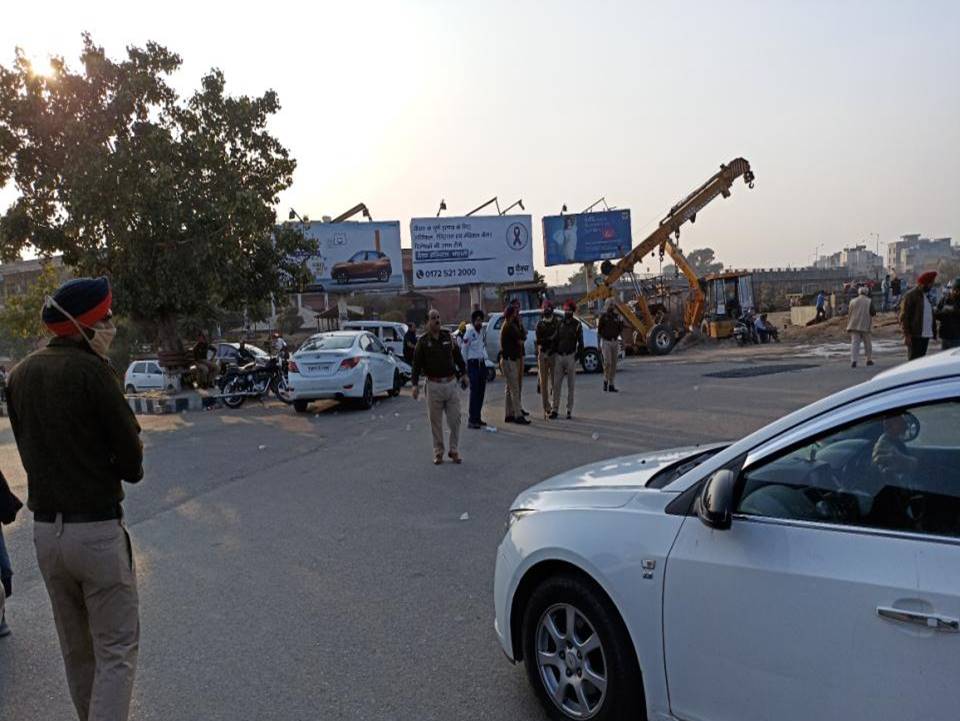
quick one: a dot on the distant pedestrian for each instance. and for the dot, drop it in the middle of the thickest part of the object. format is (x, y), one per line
(409, 343)
(885, 289)
(10, 505)
(821, 305)
(948, 316)
(609, 328)
(522, 367)
(78, 441)
(916, 317)
(512, 335)
(896, 290)
(569, 352)
(547, 328)
(475, 353)
(860, 326)
(438, 358)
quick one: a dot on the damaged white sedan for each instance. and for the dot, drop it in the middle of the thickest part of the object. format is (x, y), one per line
(810, 570)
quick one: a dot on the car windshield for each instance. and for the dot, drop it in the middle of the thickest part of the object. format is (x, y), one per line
(668, 474)
(329, 342)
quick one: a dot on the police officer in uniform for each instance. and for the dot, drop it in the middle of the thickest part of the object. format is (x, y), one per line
(438, 358)
(547, 356)
(79, 440)
(609, 328)
(569, 352)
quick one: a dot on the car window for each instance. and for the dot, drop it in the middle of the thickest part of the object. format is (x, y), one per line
(365, 342)
(376, 345)
(139, 367)
(897, 471)
(153, 368)
(389, 333)
(327, 342)
(497, 323)
(357, 257)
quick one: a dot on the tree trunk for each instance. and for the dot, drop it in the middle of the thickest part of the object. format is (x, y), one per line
(167, 331)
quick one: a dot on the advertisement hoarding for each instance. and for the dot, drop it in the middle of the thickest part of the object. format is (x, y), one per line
(475, 249)
(354, 257)
(586, 237)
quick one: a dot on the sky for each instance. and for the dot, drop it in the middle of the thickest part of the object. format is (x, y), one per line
(847, 111)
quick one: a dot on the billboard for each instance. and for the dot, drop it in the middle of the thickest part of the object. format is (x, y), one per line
(474, 249)
(354, 256)
(586, 237)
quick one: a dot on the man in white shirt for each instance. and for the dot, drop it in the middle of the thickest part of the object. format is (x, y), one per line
(474, 350)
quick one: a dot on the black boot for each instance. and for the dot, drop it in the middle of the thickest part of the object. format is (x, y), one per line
(605, 386)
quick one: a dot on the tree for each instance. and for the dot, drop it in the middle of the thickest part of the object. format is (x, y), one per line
(702, 261)
(171, 198)
(577, 277)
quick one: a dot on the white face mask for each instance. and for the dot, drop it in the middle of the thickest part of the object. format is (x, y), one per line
(104, 331)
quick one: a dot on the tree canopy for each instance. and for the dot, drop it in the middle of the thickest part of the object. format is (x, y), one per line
(172, 198)
(703, 261)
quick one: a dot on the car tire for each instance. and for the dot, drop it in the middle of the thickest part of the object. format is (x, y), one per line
(397, 385)
(365, 402)
(130, 390)
(613, 660)
(301, 406)
(591, 361)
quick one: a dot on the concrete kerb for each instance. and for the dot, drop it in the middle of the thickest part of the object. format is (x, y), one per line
(178, 403)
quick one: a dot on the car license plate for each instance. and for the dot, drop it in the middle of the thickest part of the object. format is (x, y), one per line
(318, 367)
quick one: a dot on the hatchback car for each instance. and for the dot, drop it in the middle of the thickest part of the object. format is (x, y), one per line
(810, 570)
(363, 265)
(343, 365)
(143, 375)
(591, 361)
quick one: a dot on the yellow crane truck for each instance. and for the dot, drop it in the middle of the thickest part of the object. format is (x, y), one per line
(655, 332)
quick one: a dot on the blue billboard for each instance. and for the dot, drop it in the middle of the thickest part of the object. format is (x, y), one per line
(586, 237)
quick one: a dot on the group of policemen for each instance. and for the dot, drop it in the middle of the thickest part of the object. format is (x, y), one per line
(446, 362)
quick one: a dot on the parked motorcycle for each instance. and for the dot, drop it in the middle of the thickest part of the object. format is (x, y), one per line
(253, 381)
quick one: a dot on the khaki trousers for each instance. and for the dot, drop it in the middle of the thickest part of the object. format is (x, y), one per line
(444, 398)
(610, 349)
(566, 368)
(91, 579)
(856, 337)
(511, 378)
(546, 364)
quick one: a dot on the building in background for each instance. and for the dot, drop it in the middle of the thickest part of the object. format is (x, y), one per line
(17, 277)
(913, 254)
(858, 261)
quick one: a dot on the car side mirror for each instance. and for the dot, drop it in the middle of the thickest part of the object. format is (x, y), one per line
(716, 505)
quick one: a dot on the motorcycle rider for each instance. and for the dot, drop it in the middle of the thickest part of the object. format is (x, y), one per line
(244, 355)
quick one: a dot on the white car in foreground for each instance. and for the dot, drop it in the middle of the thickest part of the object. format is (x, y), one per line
(352, 365)
(808, 571)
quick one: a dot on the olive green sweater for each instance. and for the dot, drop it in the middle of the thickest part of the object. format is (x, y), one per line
(78, 438)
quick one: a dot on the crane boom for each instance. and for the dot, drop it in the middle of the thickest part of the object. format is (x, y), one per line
(358, 208)
(686, 209)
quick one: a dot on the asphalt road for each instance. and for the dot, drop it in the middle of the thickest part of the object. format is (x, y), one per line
(305, 567)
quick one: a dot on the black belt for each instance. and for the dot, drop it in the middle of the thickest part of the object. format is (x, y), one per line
(48, 517)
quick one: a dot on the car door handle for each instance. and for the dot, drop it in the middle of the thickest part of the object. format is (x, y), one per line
(927, 620)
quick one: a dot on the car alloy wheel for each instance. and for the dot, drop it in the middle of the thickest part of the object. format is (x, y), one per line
(572, 664)
(591, 361)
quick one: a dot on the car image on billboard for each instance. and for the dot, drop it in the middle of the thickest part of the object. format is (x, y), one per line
(354, 254)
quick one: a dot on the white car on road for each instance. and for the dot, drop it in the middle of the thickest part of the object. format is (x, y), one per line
(351, 365)
(808, 571)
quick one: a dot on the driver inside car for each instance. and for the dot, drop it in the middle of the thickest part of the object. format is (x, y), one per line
(890, 454)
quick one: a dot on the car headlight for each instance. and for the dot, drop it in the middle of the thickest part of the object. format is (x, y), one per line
(516, 514)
